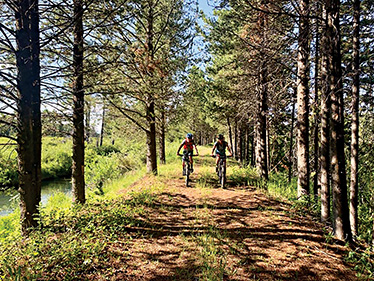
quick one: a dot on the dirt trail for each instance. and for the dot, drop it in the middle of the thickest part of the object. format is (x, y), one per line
(233, 234)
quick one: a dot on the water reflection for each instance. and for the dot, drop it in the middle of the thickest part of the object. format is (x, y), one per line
(9, 200)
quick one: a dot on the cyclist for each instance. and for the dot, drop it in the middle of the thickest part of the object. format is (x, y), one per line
(220, 149)
(188, 145)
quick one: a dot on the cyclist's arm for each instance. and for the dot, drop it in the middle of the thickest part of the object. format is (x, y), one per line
(214, 147)
(229, 149)
(179, 149)
(197, 152)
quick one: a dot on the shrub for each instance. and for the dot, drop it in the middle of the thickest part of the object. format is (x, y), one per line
(106, 150)
(56, 158)
(8, 172)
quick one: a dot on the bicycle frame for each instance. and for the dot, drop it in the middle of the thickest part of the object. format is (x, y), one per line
(222, 172)
(186, 168)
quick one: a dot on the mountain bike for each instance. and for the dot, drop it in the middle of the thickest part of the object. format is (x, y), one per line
(187, 168)
(221, 170)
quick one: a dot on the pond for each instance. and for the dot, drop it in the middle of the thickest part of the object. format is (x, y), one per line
(9, 200)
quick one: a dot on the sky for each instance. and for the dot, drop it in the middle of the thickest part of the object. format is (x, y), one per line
(199, 48)
(206, 6)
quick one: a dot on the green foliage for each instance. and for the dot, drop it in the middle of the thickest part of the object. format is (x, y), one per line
(214, 266)
(9, 227)
(278, 185)
(8, 164)
(246, 176)
(108, 163)
(106, 150)
(8, 171)
(364, 262)
(72, 239)
(56, 161)
(56, 164)
(57, 204)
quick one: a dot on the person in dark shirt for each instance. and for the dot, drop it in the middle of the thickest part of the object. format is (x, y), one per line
(220, 149)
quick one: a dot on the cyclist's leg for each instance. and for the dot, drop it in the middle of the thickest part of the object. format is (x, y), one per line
(191, 160)
(217, 161)
(184, 162)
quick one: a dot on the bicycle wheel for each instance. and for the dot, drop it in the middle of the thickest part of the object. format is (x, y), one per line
(187, 171)
(222, 178)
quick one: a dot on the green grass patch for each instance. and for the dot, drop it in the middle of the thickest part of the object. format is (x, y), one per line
(74, 241)
(278, 186)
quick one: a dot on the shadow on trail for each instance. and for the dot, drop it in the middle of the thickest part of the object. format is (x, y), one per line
(253, 233)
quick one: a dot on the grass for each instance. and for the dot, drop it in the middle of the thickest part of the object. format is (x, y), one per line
(74, 240)
(77, 240)
(278, 186)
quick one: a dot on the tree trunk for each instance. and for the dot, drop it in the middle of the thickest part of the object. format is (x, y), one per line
(88, 123)
(230, 131)
(248, 146)
(261, 150)
(151, 116)
(102, 126)
(151, 140)
(235, 148)
(303, 102)
(162, 138)
(355, 119)
(316, 186)
(241, 152)
(78, 184)
(268, 148)
(325, 124)
(290, 153)
(338, 173)
(29, 117)
(253, 148)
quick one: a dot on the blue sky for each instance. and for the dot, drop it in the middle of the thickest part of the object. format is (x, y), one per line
(204, 5)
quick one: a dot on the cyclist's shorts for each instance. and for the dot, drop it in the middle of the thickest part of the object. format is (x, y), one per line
(187, 153)
(223, 157)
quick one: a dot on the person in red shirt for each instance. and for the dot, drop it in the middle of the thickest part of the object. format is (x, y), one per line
(188, 146)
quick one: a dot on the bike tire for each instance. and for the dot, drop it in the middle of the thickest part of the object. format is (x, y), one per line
(187, 171)
(222, 178)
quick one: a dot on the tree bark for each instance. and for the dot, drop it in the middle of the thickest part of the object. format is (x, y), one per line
(102, 126)
(151, 114)
(162, 138)
(248, 146)
(316, 185)
(338, 173)
(78, 183)
(88, 123)
(235, 148)
(253, 157)
(241, 143)
(29, 116)
(290, 153)
(303, 102)
(151, 140)
(355, 119)
(230, 130)
(325, 124)
(261, 149)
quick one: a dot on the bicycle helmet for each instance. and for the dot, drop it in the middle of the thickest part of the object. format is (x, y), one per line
(220, 137)
(189, 136)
